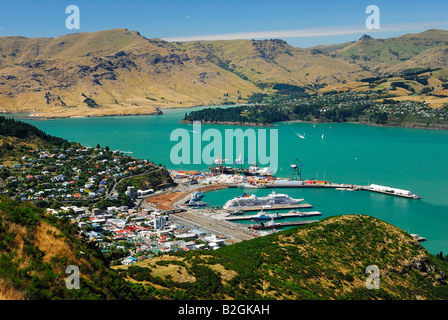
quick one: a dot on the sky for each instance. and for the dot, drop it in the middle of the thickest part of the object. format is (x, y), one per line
(300, 23)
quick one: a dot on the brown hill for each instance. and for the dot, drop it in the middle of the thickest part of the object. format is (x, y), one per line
(394, 55)
(121, 72)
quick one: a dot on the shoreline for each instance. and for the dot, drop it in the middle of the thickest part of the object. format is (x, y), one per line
(38, 116)
(443, 127)
(413, 125)
(230, 123)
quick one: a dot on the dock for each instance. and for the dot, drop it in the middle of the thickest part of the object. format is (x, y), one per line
(294, 185)
(279, 207)
(283, 215)
(391, 193)
(336, 186)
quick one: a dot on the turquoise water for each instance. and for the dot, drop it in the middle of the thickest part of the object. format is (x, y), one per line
(411, 159)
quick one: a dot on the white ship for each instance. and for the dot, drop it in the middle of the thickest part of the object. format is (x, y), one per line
(273, 199)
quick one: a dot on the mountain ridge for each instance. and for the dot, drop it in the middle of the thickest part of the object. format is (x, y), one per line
(120, 72)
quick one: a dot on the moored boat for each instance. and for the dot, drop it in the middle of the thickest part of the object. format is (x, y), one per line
(263, 226)
(263, 216)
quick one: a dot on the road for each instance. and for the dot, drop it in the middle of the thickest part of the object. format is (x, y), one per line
(210, 225)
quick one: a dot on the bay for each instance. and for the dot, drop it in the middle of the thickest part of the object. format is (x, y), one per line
(410, 159)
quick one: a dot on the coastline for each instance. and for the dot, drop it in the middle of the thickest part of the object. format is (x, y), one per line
(159, 111)
(231, 123)
(39, 117)
(250, 124)
(407, 125)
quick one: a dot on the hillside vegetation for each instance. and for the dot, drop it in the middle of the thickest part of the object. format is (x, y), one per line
(324, 260)
(35, 250)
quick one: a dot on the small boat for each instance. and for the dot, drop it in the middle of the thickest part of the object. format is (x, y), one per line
(263, 216)
(263, 226)
(195, 204)
(417, 237)
(236, 212)
(302, 214)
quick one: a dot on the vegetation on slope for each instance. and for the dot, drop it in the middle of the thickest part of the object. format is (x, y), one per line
(368, 108)
(10, 127)
(324, 260)
(35, 250)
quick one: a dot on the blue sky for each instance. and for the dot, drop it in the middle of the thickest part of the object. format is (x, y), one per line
(300, 23)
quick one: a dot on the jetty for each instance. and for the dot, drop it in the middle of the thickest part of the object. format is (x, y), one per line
(281, 216)
(276, 207)
(391, 191)
(336, 186)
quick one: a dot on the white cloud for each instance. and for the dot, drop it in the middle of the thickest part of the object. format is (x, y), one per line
(313, 32)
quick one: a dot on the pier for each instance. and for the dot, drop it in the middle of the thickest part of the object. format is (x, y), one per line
(277, 207)
(337, 186)
(391, 192)
(283, 215)
(294, 185)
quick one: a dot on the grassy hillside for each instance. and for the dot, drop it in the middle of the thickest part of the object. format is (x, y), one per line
(393, 55)
(115, 72)
(35, 250)
(324, 260)
(120, 72)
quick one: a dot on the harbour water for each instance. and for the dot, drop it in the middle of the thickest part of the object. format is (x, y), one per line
(411, 159)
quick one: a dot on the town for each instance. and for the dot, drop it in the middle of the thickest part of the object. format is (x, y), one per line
(87, 186)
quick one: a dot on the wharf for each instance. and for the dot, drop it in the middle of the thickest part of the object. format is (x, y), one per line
(283, 215)
(279, 207)
(411, 196)
(294, 185)
(336, 186)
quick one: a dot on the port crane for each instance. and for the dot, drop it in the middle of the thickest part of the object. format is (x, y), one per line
(296, 170)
